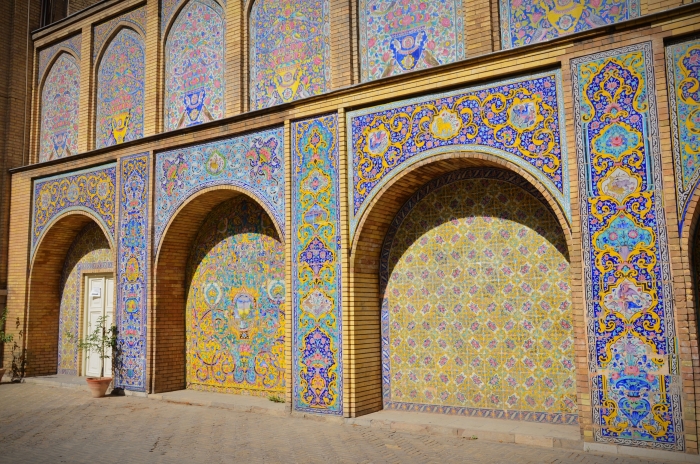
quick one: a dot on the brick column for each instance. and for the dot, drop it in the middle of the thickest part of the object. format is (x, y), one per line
(86, 111)
(153, 100)
(236, 50)
(343, 51)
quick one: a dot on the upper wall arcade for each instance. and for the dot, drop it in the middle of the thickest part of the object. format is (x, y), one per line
(132, 69)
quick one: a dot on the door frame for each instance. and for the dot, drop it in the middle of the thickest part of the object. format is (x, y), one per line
(84, 322)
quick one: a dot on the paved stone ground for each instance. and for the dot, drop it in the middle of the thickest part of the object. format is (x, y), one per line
(43, 424)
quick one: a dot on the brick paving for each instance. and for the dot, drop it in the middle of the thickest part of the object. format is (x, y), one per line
(44, 424)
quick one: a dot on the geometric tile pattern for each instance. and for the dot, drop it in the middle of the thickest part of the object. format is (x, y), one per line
(476, 311)
(60, 100)
(132, 271)
(683, 74)
(102, 32)
(46, 55)
(524, 125)
(397, 37)
(317, 366)
(89, 252)
(253, 162)
(92, 190)
(235, 304)
(633, 347)
(289, 51)
(526, 22)
(195, 52)
(120, 90)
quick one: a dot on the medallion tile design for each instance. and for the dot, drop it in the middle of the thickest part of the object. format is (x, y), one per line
(526, 22)
(317, 366)
(102, 32)
(236, 301)
(476, 312)
(60, 101)
(194, 66)
(132, 271)
(397, 37)
(92, 190)
(633, 358)
(518, 120)
(46, 55)
(683, 72)
(289, 51)
(120, 90)
(90, 252)
(253, 162)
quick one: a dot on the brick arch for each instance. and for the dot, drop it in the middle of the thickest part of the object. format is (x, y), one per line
(167, 332)
(44, 292)
(363, 332)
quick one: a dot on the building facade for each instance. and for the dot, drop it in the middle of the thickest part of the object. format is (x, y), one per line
(471, 207)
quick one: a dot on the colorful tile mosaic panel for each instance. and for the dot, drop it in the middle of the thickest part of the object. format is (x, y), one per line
(120, 90)
(317, 366)
(254, 163)
(60, 101)
(132, 272)
(168, 9)
(92, 190)
(289, 51)
(46, 55)
(526, 22)
(476, 312)
(633, 357)
(518, 120)
(90, 252)
(397, 37)
(683, 72)
(194, 66)
(102, 32)
(236, 302)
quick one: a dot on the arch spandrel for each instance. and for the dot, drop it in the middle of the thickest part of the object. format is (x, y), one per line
(92, 191)
(518, 120)
(253, 163)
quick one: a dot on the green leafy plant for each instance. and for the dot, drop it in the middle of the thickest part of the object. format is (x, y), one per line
(19, 354)
(275, 399)
(102, 341)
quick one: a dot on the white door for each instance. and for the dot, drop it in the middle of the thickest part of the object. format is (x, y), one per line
(99, 302)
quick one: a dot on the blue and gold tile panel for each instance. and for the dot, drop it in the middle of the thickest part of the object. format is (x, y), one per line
(683, 73)
(525, 22)
(633, 348)
(92, 190)
(132, 271)
(317, 359)
(519, 120)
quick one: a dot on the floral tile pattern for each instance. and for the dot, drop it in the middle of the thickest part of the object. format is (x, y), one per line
(633, 361)
(397, 37)
(476, 316)
(289, 51)
(235, 305)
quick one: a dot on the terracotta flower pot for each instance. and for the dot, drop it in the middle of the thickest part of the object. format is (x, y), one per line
(98, 385)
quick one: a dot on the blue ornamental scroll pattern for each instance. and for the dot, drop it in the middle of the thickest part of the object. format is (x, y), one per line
(633, 359)
(132, 272)
(254, 163)
(317, 366)
(683, 71)
(92, 190)
(520, 120)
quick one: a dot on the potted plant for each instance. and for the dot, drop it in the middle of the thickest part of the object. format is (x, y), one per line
(4, 338)
(102, 342)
